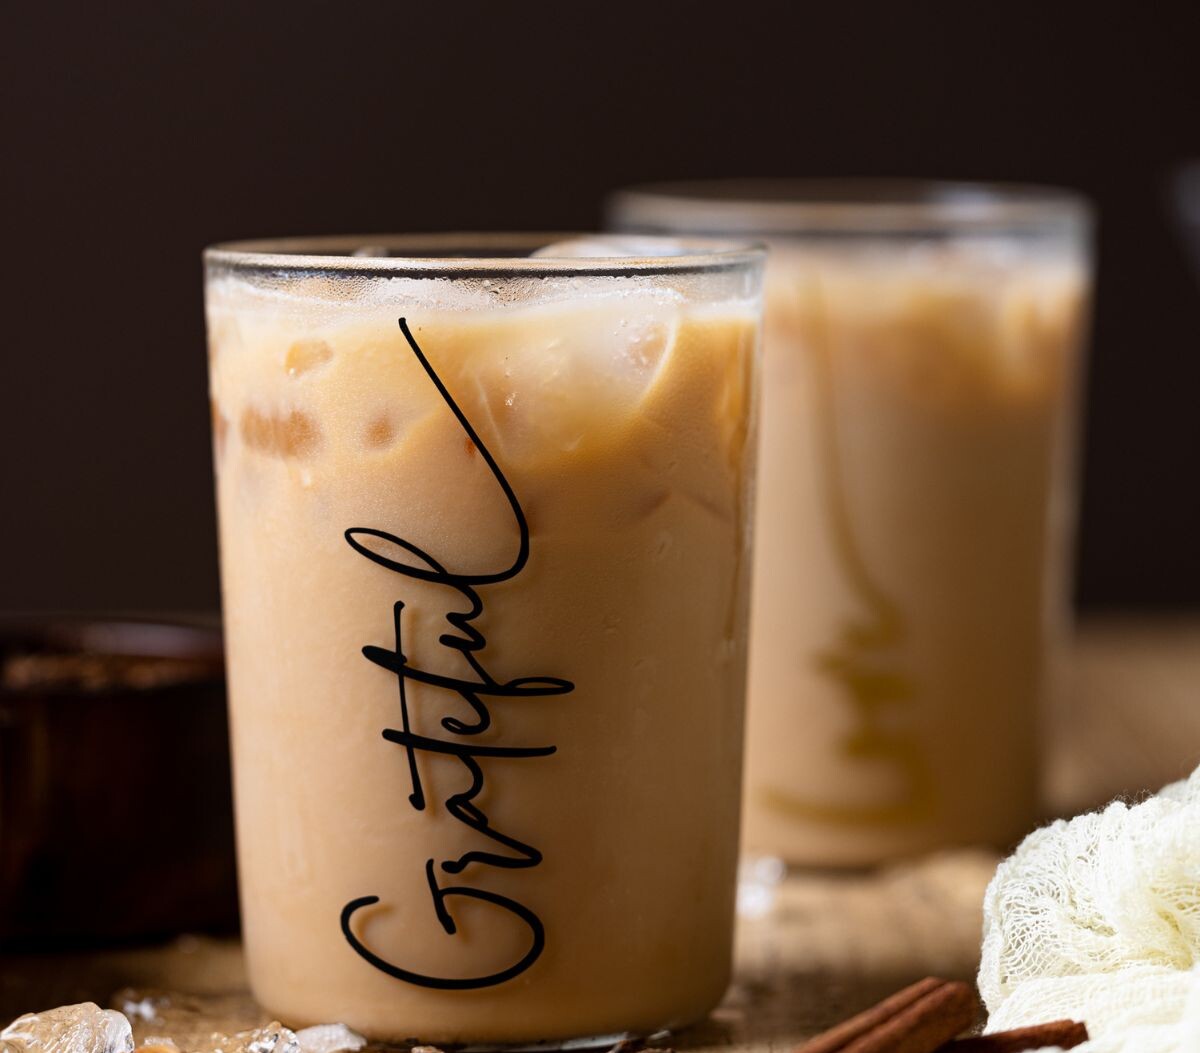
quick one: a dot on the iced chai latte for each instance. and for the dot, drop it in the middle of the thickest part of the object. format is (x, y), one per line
(485, 557)
(915, 498)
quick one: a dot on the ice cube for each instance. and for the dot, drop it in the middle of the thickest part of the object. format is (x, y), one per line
(195, 1023)
(288, 435)
(567, 376)
(303, 356)
(329, 1038)
(272, 1038)
(758, 885)
(143, 1008)
(83, 1028)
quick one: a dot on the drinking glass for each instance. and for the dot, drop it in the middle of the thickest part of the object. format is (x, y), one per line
(484, 532)
(916, 497)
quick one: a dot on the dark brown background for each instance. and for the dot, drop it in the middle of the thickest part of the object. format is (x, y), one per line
(137, 132)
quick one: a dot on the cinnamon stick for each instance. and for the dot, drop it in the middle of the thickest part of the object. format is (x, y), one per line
(1067, 1034)
(919, 1019)
(836, 1038)
(927, 1024)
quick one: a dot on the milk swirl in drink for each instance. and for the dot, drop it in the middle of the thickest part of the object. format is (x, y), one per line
(915, 502)
(485, 556)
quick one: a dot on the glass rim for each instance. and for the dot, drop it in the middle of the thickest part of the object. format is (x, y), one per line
(762, 207)
(475, 254)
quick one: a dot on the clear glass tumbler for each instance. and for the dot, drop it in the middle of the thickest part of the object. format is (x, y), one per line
(484, 527)
(915, 502)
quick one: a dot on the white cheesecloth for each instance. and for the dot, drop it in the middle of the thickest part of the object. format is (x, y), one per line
(1098, 919)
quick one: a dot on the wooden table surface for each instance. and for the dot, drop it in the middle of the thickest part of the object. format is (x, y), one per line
(829, 944)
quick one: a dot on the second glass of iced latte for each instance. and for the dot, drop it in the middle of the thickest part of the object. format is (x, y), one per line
(916, 497)
(484, 526)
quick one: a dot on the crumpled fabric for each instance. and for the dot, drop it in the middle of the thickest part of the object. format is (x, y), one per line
(1097, 919)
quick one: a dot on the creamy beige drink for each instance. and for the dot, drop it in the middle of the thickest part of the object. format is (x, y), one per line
(914, 502)
(912, 508)
(485, 581)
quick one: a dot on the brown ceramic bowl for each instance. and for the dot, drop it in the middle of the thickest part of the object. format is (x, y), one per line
(115, 805)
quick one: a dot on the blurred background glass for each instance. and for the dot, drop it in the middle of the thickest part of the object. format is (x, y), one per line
(916, 494)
